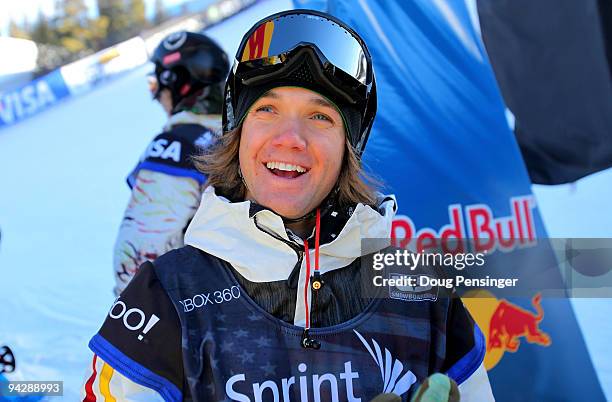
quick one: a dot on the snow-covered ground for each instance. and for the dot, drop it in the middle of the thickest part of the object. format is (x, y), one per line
(62, 195)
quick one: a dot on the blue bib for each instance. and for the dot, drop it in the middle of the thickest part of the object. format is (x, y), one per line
(234, 350)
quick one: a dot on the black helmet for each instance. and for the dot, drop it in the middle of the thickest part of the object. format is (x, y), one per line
(193, 67)
(309, 49)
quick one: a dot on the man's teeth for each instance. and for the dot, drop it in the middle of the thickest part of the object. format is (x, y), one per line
(285, 166)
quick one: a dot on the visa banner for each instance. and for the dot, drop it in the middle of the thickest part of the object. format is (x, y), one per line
(17, 104)
(442, 145)
(69, 80)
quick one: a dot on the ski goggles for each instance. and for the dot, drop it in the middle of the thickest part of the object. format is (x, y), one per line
(160, 79)
(7, 360)
(343, 58)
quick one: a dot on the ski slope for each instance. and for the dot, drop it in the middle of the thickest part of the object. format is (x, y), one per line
(62, 196)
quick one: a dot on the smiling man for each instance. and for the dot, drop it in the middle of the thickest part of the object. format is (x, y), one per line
(291, 152)
(266, 303)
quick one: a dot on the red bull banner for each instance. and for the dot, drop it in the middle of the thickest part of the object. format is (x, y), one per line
(442, 145)
(487, 232)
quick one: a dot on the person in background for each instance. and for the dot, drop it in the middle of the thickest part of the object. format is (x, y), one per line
(269, 298)
(190, 70)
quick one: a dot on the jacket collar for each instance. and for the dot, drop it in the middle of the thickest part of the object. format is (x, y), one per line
(229, 231)
(212, 121)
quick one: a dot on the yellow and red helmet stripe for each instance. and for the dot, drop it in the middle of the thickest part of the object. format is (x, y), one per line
(258, 44)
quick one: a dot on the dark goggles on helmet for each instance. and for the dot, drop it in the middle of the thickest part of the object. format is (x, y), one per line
(7, 360)
(160, 79)
(167, 78)
(344, 61)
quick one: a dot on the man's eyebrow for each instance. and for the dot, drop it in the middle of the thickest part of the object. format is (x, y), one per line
(270, 94)
(321, 102)
(315, 100)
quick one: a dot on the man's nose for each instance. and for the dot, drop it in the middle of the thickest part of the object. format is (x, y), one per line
(290, 134)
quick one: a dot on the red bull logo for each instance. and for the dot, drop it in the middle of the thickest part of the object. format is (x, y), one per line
(511, 322)
(505, 324)
(474, 227)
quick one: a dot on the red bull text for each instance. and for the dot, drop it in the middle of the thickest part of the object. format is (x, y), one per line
(472, 227)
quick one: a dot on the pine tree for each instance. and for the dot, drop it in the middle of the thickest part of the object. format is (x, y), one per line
(160, 12)
(42, 31)
(99, 31)
(17, 31)
(73, 25)
(137, 16)
(118, 19)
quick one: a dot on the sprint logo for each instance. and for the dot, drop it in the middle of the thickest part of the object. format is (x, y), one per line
(340, 383)
(390, 369)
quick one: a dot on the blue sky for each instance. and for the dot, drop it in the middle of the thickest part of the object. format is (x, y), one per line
(18, 10)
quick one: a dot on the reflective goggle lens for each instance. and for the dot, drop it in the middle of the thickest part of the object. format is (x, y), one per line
(274, 38)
